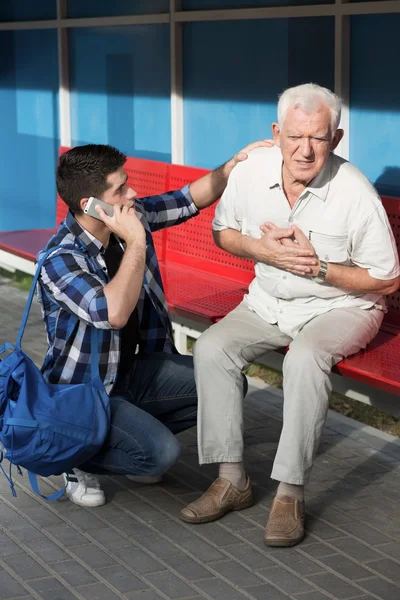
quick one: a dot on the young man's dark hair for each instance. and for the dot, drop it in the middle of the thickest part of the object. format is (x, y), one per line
(82, 172)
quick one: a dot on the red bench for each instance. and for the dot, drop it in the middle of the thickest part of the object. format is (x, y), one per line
(203, 283)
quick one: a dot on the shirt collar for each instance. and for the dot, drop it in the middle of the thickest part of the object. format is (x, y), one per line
(319, 186)
(92, 244)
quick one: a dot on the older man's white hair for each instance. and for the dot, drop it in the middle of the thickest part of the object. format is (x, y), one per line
(309, 98)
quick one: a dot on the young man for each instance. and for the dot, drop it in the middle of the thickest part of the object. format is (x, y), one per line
(107, 276)
(326, 303)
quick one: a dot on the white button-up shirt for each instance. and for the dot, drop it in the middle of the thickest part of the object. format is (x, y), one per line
(341, 214)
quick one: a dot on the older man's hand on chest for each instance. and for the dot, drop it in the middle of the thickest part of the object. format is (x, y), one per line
(288, 249)
(297, 254)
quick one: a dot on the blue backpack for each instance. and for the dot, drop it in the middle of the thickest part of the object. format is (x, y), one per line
(48, 428)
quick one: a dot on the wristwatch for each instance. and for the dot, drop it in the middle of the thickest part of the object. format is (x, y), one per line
(323, 269)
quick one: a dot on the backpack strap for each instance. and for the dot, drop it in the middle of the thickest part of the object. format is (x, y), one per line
(94, 363)
(31, 294)
(35, 486)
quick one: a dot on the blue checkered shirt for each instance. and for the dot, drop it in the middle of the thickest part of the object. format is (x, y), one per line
(71, 293)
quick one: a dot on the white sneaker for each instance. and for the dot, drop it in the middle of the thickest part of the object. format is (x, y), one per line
(83, 489)
(145, 478)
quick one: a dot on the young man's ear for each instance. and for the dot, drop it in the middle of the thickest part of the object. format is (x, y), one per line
(276, 132)
(337, 138)
(82, 203)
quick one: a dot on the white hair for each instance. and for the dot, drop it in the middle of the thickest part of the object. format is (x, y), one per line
(309, 97)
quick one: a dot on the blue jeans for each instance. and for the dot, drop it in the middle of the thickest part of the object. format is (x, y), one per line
(156, 400)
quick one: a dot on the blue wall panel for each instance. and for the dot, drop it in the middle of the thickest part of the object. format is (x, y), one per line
(234, 72)
(120, 89)
(375, 94)
(27, 10)
(104, 8)
(28, 129)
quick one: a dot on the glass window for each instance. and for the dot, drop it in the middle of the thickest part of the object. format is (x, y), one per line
(26, 10)
(28, 129)
(219, 4)
(375, 99)
(234, 72)
(105, 8)
(120, 88)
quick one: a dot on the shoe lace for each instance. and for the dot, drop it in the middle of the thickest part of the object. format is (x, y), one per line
(87, 479)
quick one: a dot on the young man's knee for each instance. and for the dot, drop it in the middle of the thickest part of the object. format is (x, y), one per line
(164, 454)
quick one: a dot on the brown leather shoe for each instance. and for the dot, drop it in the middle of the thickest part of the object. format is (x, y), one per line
(220, 498)
(285, 525)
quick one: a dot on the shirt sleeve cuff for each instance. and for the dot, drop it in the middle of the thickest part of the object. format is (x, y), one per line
(191, 205)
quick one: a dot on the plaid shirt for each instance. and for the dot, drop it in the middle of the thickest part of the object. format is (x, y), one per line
(71, 293)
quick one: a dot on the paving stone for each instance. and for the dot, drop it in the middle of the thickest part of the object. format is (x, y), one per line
(122, 579)
(328, 513)
(26, 567)
(332, 584)
(266, 592)
(171, 585)
(236, 573)
(345, 567)
(381, 588)
(93, 556)
(387, 568)
(235, 522)
(392, 550)
(250, 557)
(318, 549)
(68, 536)
(47, 550)
(51, 589)
(375, 519)
(367, 534)
(159, 546)
(25, 532)
(285, 580)
(202, 550)
(9, 587)
(97, 591)
(355, 549)
(8, 547)
(176, 532)
(74, 573)
(294, 560)
(187, 567)
(42, 516)
(217, 534)
(218, 589)
(139, 561)
(312, 596)
(322, 530)
(255, 535)
(145, 595)
(7, 514)
(112, 540)
(84, 520)
(144, 511)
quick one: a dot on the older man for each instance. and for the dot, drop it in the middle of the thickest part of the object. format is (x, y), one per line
(324, 257)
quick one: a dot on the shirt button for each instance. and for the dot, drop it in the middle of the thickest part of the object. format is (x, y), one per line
(280, 311)
(290, 219)
(284, 277)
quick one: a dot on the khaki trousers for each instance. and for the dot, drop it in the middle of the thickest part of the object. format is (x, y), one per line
(225, 349)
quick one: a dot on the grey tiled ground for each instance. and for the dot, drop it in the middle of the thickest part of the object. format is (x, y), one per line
(135, 547)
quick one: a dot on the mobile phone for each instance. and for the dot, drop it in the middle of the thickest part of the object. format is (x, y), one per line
(92, 203)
